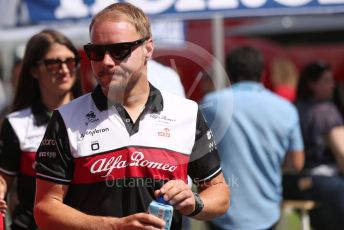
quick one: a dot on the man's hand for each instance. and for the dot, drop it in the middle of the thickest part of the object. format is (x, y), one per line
(178, 194)
(140, 221)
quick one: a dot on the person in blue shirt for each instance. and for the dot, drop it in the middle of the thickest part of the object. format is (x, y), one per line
(258, 135)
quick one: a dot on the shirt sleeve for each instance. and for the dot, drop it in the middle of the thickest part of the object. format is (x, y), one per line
(10, 151)
(204, 161)
(296, 140)
(54, 161)
(328, 117)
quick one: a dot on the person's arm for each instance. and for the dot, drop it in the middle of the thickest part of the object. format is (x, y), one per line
(5, 183)
(294, 162)
(335, 140)
(3, 187)
(295, 156)
(9, 161)
(214, 195)
(51, 213)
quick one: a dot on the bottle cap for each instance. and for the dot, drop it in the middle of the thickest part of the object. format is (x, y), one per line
(161, 200)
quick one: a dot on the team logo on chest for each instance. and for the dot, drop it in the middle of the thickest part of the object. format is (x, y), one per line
(91, 117)
(137, 159)
(162, 119)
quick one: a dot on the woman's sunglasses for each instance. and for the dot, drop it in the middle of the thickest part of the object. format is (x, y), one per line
(54, 65)
(118, 51)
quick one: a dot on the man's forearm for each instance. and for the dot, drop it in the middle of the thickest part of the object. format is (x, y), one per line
(216, 199)
(5, 183)
(335, 139)
(56, 216)
(3, 188)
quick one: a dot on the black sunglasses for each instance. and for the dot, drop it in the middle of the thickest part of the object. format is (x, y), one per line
(54, 65)
(118, 51)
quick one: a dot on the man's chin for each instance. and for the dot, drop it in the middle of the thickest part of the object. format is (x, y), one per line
(115, 87)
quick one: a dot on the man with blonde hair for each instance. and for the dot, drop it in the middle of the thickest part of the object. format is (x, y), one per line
(108, 154)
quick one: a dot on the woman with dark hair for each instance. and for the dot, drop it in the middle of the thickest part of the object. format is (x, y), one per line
(49, 78)
(323, 134)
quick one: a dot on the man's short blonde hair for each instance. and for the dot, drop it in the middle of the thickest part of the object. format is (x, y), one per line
(125, 12)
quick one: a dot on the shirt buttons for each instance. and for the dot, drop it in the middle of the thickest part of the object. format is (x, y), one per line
(127, 120)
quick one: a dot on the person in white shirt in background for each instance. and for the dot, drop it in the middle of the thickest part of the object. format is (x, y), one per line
(164, 78)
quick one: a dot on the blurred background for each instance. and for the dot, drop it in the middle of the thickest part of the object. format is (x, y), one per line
(193, 37)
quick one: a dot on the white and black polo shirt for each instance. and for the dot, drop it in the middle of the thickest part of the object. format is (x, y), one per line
(113, 165)
(21, 134)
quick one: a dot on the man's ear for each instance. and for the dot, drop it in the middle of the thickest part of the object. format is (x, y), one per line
(149, 47)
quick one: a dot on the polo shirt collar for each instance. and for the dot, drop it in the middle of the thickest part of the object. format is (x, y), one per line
(40, 113)
(154, 103)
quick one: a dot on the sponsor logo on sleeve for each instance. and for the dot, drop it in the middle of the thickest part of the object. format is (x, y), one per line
(48, 142)
(47, 154)
(212, 144)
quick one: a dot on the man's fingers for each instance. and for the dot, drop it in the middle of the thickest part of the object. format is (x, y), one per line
(149, 219)
(181, 196)
(171, 184)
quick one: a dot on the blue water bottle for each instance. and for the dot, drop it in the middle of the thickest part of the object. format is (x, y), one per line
(163, 210)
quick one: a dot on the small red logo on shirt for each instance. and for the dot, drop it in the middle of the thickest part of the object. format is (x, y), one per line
(164, 133)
